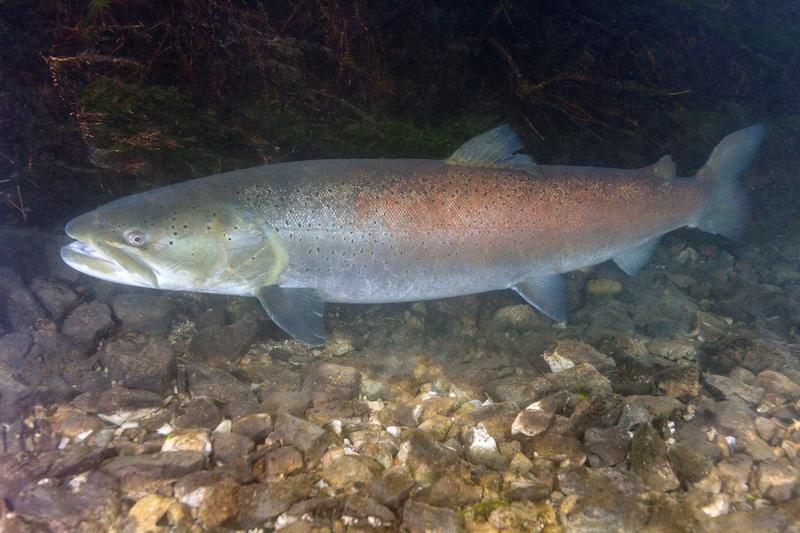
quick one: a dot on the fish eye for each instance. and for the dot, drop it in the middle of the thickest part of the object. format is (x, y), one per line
(136, 238)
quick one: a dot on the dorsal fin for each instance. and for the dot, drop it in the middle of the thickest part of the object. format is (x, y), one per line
(665, 167)
(494, 149)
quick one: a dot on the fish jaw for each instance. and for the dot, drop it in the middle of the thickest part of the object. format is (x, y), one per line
(102, 261)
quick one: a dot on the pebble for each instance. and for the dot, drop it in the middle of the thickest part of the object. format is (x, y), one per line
(56, 296)
(603, 287)
(419, 517)
(137, 361)
(303, 435)
(255, 426)
(607, 446)
(88, 321)
(279, 462)
(648, 459)
(538, 416)
(776, 480)
(143, 311)
(566, 353)
(482, 448)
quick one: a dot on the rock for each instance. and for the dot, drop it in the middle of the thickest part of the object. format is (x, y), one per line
(340, 342)
(56, 297)
(581, 379)
(260, 502)
(90, 500)
(219, 503)
(643, 409)
(118, 400)
(279, 462)
(286, 402)
(255, 426)
(188, 440)
(680, 381)
(329, 382)
(427, 459)
(350, 471)
(143, 311)
(192, 489)
(147, 513)
(143, 474)
(727, 387)
(451, 491)
(776, 383)
(362, 510)
(777, 480)
(673, 349)
(199, 413)
(520, 317)
(231, 449)
(496, 418)
(224, 342)
(206, 381)
(518, 389)
(88, 321)
(419, 517)
(392, 487)
(15, 396)
(768, 428)
(305, 436)
(648, 460)
(690, 464)
(564, 449)
(437, 427)
(14, 348)
(603, 287)
(16, 302)
(709, 327)
(538, 416)
(567, 353)
(607, 446)
(138, 361)
(768, 519)
(537, 484)
(482, 448)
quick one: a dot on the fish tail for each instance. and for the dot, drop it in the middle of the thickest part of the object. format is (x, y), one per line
(726, 211)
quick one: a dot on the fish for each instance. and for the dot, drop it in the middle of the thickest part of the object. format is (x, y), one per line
(297, 235)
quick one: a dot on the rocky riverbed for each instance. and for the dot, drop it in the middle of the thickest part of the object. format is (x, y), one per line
(669, 403)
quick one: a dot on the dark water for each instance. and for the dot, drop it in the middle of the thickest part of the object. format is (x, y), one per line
(668, 402)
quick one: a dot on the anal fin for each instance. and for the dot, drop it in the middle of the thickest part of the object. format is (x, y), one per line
(299, 312)
(635, 258)
(547, 294)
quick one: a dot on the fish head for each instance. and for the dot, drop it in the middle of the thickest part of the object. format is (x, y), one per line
(172, 239)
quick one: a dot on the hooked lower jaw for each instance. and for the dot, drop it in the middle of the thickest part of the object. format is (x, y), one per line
(89, 260)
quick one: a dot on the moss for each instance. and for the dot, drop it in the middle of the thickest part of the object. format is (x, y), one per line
(147, 129)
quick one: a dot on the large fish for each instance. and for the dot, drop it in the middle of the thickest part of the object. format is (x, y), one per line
(297, 235)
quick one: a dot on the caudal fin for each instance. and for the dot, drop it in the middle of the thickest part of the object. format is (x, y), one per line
(727, 209)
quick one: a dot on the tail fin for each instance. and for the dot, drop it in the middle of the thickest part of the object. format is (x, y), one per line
(727, 209)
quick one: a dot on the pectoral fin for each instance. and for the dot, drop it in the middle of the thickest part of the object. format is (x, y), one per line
(299, 312)
(635, 258)
(547, 294)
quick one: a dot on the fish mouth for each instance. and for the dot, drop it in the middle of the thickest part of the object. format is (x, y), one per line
(112, 265)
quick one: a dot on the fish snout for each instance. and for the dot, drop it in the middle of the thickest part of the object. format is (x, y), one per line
(81, 227)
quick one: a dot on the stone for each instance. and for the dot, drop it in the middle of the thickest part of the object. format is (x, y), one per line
(188, 440)
(776, 480)
(231, 449)
(734, 474)
(143, 311)
(673, 349)
(328, 382)
(689, 464)
(90, 500)
(363, 510)
(143, 474)
(138, 361)
(255, 426)
(260, 502)
(118, 400)
(55, 296)
(392, 487)
(482, 448)
(520, 317)
(149, 510)
(419, 517)
(199, 413)
(427, 459)
(680, 381)
(641, 409)
(564, 449)
(518, 389)
(607, 446)
(768, 428)
(581, 379)
(567, 353)
(340, 342)
(88, 321)
(454, 490)
(727, 387)
(437, 426)
(14, 348)
(538, 416)
(206, 381)
(224, 342)
(219, 503)
(17, 303)
(303, 435)
(15, 397)
(286, 402)
(768, 519)
(649, 460)
(350, 471)
(603, 287)
(776, 383)
(279, 462)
